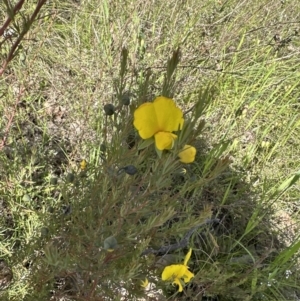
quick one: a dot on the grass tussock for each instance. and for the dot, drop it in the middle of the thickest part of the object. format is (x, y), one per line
(89, 210)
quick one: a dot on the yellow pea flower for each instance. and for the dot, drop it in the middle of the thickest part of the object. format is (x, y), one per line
(145, 283)
(187, 155)
(159, 119)
(83, 164)
(178, 272)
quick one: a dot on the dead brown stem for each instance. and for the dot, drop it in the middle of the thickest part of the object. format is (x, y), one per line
(10, 119)
(17, 7)
(10, 55)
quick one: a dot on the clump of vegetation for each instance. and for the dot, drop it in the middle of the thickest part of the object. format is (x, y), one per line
(149, 152)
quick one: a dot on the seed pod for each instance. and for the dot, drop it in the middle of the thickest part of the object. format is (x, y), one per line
(130, 170)
(53, 181)
(50, 209)
(109, 109)
(44, 231)
(67, 209)
(70, 177)
(125, 100)
(102, 148)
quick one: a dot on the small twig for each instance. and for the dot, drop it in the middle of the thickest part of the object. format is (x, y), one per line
(182, 244)
(189, 110)
(211, 68)
(26, 28)
(10, 120)
(17, 7)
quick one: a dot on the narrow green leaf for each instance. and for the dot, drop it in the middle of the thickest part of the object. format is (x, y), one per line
(286, 254)
(146, 143)
(287, 184)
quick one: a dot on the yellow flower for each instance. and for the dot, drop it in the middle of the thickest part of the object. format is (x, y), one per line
(178, 272)
(83, 164)
(187, 155)
(145, 283)
(159, 119)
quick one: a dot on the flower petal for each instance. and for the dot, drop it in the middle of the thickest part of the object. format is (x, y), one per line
(145, 120)
(187, 276)
(178, 282)
(83, 164)
(187, 155)
(187, 257)
(145, 283)
(164, 140)
(173, 271)
(168, 273)
(169, 116)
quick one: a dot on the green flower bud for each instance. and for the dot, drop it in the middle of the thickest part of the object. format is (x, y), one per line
(110, 243)
(26, 198)
(109, 109)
